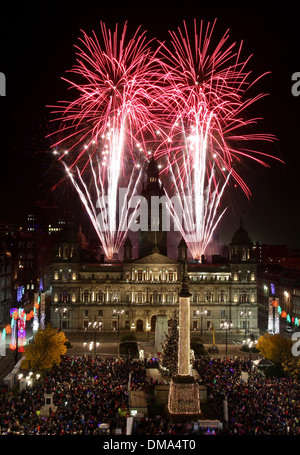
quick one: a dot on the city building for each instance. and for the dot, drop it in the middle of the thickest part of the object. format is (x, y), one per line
(277, 281)
(6, 281)
(128, 294)
(277, 254)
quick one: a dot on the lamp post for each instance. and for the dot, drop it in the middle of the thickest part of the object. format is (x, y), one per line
(245, 315)
(250, 342)
(95, 327)
(201, 313)
(226, 326)
(118, 312)
(148, 328)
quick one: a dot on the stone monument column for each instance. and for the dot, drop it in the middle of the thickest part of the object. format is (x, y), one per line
(184, 336)
(184, 390)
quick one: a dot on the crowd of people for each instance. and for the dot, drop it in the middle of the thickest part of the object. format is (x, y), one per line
(257, 405)
(87, 392)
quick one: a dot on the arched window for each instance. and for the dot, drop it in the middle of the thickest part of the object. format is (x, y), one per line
(85, 296)
(101, 297)
(222, 296)
(209, 296)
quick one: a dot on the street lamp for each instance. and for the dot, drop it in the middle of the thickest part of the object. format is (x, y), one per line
(250, 342)
(95, 327)
(132, 328)
(245, 315)
(226, 326)
(148, 328)
(118, 312)
(201, 313)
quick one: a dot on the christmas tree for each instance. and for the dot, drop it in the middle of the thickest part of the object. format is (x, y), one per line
(169, 355)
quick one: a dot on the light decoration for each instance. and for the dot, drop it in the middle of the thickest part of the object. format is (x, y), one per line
(273, 316)
(279, 309)
(3, 342)
(283, 314)
(35, 325)
(20, 292)
(43, 310)
(18, 328)
(183, 396)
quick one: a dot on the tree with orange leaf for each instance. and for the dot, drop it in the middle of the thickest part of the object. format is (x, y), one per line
(46, 350)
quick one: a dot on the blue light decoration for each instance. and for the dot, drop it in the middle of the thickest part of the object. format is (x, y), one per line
(288, 318)
(272, 286)
(41, 285)
(20, 292)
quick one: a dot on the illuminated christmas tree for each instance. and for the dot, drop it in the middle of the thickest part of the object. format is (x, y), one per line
(169, 356)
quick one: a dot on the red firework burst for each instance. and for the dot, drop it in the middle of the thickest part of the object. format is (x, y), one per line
(115, 89)
(206, 98)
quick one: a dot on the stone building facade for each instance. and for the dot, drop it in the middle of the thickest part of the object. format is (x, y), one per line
(129, 294)
(123, 296)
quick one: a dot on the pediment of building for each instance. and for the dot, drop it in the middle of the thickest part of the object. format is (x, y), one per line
(155, 258)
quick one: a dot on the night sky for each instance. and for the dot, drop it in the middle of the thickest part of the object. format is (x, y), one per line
(36, 48)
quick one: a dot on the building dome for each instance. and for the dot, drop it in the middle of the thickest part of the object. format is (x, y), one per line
(241, 236)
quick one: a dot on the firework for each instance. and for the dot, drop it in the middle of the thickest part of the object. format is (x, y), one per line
(115, 91)
(109, 119)
(205, 119)
(186, 99)
(109, 215)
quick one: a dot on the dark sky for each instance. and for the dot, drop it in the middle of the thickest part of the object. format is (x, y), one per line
(36, 48)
